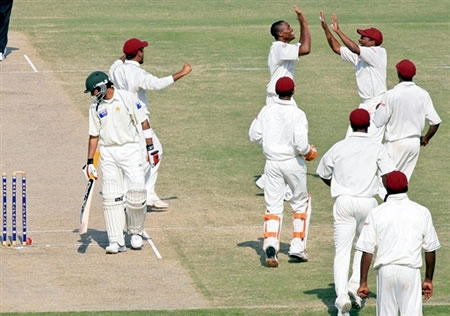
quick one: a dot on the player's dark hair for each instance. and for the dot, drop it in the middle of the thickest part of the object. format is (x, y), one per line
(390, 192)
(109, 84)
(356, 127)
(275, 28)
(129, 57)
(403, 78)
(286, 94)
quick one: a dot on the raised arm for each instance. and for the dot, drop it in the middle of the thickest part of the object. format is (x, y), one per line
(305, 37)
(183, 72)
(334, 44)
(345, 39)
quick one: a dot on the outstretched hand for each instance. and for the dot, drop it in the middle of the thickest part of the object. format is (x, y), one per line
(335, 24)
(299, 13)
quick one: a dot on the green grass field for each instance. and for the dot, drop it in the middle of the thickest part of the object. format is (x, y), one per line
(203, 122)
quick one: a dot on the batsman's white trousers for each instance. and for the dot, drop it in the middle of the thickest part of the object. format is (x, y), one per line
(349, 214)
(399, 289)
(279, 173)
(125, 160)
(151, 174)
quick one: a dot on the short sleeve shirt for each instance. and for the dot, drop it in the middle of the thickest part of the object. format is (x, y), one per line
(115, 120)
(370, 70)
(353, 165)
(397, 231)
(281, 62)
(404, 110)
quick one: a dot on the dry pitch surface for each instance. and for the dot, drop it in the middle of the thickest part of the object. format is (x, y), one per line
(41, 134)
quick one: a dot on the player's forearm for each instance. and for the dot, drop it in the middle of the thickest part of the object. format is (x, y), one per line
(147, 132)
(305, 38)
(348, 42)
(92, 146)
(332, 42)
(430, 262)
(366, 259)
(430, 133)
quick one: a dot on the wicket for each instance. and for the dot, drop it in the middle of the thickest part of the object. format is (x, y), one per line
(5, 240)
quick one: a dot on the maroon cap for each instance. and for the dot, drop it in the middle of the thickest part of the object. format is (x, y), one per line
(284, 84)
(372, 33)
(396, 181)
(360, 117)
(132, 46)
(406, 68)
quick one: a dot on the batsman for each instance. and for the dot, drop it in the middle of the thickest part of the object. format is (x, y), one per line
(113, 117)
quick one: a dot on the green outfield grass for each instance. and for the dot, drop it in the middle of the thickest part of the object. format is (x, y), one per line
(203, 123)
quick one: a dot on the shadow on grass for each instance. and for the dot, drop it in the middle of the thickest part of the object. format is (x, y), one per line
(328, 296)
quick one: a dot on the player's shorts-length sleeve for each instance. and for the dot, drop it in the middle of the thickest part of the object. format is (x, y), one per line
(94, 121)
(430, 113)
(367, 238)
(349, 56)
(326, 165)
(430, 241)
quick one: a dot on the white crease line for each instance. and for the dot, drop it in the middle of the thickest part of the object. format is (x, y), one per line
(31, 64)
(150, 242)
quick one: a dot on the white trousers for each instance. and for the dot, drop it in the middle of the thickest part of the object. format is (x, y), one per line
(279, 173)
(399, 289)
(117, 163)
(374, 132)
(349, 215)
(123, 161)
(405, 154)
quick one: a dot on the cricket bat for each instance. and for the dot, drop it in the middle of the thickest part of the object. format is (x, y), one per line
(87, 199)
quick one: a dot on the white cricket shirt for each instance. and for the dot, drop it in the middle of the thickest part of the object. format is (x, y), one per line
(352, 164)
(130, 76)
(398, 229)
(282, 130)
(404, 110)
(370, 70)
(281, 62)
(115, 120)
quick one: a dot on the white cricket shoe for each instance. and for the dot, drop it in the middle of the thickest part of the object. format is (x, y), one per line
(343, 304)
(2, 56)
(357, 301)
(115, 248)
(136, 242)
(261, 182)
(157, 204)
(300, 256)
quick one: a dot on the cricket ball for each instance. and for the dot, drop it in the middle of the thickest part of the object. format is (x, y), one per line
(29, 241)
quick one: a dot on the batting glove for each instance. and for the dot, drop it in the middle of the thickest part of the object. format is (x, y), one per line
(153, 155)
(89, 170)
(312, 153)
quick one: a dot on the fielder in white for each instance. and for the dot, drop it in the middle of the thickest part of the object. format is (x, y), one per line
(282, 130)
(397, 231)
(370, 61)
(127, 74)
(350, 168)
(113, 117)
(403, 111)
(282, 59)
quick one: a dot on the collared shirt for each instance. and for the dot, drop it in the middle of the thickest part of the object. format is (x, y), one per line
(115, 120)
(398, 229)
(403, 110)
(281, 62)
(370, 70)
(353, 163)
(282, 130)
(130, 76)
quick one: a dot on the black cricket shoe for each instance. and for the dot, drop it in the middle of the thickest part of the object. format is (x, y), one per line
(271, 257)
